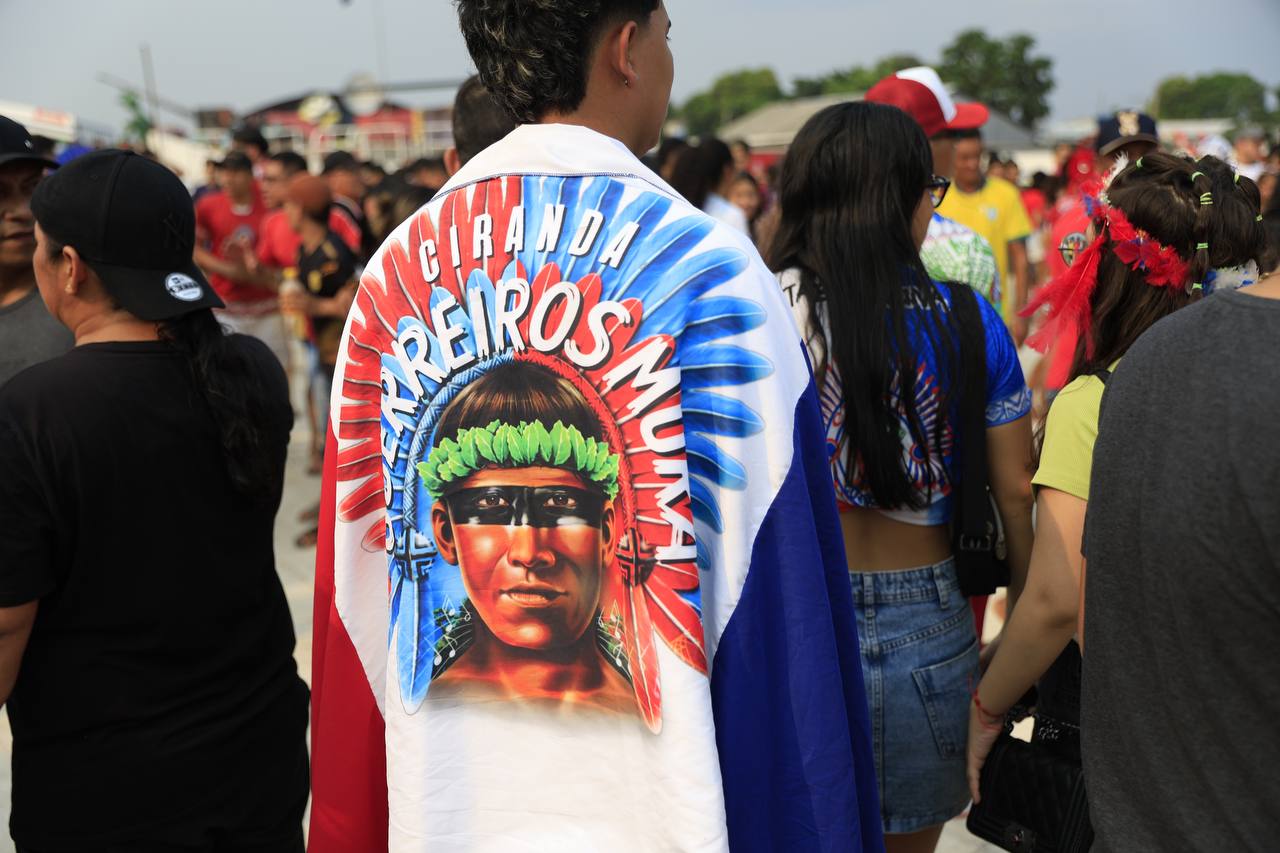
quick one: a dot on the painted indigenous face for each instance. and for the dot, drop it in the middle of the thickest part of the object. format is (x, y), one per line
(532, 544)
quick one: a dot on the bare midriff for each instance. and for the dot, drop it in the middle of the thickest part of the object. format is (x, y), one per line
(874, 542)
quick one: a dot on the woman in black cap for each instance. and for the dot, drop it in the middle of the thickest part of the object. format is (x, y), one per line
(145, 641)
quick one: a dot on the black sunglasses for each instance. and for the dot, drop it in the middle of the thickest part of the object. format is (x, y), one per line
(937, 187)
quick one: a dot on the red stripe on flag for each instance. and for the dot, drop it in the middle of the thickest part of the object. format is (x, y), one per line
(348, 734)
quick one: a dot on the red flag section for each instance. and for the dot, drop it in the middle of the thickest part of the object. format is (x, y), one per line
(348, 735)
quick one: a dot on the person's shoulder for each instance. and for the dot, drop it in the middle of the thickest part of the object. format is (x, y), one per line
(274, 219)
(1001, 189)
(45, 380)
(991, 318)
(337, 249)
(945, 228)
(1173, 339)
(1080, 398)
(252, 348)
(212, 201)
(789, 280)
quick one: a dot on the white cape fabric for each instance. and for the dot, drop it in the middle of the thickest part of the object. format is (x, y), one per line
(719, 597)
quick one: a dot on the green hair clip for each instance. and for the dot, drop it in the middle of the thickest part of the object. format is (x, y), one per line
(1197, 286)
(1237, 177)
(1195, 175)
(1206, 199)
(1138, 165)
(1200, 246)
(524, 445)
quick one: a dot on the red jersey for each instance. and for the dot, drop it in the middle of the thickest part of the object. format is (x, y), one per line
(279, 243)
(1071, 231)
(1035, 203)
(219, 226)
(346, 219)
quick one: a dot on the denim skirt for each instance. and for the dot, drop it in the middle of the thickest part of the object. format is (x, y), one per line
(920, 662)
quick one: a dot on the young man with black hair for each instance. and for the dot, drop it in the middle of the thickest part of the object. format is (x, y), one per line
(326, 269)
(250, 141)
(992, 207)
(478, 122)
(614, 614)
(951, 251)
(228, 230)
(342, 172)
(278, 243)
(28, 334)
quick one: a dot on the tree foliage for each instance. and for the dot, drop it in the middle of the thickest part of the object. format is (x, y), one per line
(1001, 73)
(732, 95)
(855, 79)
(139, 125)
(1218, 95)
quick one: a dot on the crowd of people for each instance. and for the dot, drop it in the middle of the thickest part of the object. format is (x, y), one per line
(643, 457)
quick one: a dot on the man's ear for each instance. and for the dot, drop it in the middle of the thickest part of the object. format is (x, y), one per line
(608, 533)
(617, 48)
(442, 530)
(452, 162)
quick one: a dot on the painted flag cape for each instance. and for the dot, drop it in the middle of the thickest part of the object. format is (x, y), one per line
(580, 583)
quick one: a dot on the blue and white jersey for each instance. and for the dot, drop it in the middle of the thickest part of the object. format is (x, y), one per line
(931, 472)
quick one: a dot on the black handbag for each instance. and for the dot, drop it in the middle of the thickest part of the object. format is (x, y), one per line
(1033, 797)
(977, 531)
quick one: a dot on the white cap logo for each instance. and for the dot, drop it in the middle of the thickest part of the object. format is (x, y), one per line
(184, 287)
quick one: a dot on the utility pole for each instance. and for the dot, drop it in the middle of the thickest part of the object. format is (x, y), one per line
(149, 87)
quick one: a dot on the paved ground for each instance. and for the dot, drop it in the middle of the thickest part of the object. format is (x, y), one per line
(296, 572)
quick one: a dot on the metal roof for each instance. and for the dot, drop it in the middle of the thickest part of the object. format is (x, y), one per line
(775, 125)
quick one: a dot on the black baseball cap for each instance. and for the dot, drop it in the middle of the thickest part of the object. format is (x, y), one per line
(132, 221)
(1122, 128)
(16, 144)
(339, 161)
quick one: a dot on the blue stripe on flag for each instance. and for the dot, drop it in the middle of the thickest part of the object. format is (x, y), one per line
(792, 725)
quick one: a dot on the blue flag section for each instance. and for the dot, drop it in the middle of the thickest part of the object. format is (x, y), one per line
(792, 725)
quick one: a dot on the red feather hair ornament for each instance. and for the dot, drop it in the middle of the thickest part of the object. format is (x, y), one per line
(1069, 296)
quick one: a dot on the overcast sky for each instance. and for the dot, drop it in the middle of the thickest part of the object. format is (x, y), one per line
(246, 53)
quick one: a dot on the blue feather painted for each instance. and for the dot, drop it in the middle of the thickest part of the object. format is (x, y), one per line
(721, 317)
(715, 414)
(715, 365)
(708, 461)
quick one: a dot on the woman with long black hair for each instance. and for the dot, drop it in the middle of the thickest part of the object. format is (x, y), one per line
(896, 367)
(146, 647)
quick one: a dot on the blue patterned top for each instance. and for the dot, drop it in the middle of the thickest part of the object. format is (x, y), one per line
(1008, 399)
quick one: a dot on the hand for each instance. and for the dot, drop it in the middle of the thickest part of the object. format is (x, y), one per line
(983, 731)
(296, 301)
(237, 255)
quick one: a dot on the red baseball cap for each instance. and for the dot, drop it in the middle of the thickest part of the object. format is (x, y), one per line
(920, 94)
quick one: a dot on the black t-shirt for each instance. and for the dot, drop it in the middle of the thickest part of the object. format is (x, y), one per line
(1182, 599)
(325, 271)
(158, 695)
